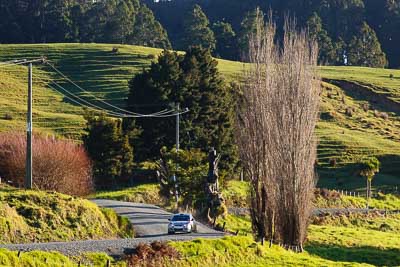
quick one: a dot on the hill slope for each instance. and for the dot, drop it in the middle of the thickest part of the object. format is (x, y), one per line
(37, 216)
(353, 121)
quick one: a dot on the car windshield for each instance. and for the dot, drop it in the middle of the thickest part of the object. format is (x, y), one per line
(177, 218)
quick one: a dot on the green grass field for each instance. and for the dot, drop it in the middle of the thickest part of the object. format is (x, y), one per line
(326, 246)
(105, 74)
(355, 240)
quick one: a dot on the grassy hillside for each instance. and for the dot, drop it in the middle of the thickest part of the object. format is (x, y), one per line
(332, 241)
(343, 138)
(327, 245)
(54, 259)
(36, 216)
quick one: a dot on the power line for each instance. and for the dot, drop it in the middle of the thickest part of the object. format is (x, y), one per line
(88, 104)
(160, 114)
(104, 102)
(127, 114)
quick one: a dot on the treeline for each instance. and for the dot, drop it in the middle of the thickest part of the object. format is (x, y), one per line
(349, 32)
(111, 21)
(352, 32)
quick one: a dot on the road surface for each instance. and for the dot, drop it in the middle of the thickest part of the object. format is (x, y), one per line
(150, 223)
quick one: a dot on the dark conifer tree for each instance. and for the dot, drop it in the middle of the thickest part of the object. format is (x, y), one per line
(197, 30)
(120, 25)
(226, 40)
(365, 49)
(326, 47)
(248, 27)
(147, 31)
(109, 149)
(193, 81)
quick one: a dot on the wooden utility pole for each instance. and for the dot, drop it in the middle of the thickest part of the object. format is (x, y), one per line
(177, 150)
(28, 177)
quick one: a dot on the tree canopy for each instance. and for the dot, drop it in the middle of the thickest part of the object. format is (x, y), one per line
(197, 30)
(365, 49)
(193, 81)
(112, 21)
(341, 20)
(109, 148)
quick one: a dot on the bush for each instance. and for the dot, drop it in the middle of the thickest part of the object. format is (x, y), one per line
(332, 162)
(7, 117)
(349, 111)
(327, 194)
(156, 254)
(382, 115)
(58, 165)
(365, 106)
(191, 173)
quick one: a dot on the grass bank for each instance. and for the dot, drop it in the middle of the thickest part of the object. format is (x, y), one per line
(143, 193)
(37, 216)
(54, 259)
(357, 240)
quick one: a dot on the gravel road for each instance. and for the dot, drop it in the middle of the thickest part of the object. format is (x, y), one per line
(150, 223)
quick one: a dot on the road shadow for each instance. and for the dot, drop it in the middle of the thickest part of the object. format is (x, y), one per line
(365, 254)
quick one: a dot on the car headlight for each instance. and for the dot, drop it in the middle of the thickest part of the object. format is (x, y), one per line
(171, 225)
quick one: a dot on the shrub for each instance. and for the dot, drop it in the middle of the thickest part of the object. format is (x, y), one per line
(327, 194)
(365, 107)
(156, 254)
(349, 111)
(58, 165)
(384, 115)
(391, 76)
(151, 56)
(7, 116)
(332, 162)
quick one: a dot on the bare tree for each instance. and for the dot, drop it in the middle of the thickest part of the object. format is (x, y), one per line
(276, 132)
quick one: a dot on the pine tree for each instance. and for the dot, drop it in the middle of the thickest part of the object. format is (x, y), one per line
(248, 27)
(148, 31)
(109, 149)
(120, 24)
(197, 31)
(365, 49)
(150, 91)
(226, 42)
(193, 81)
(318, 33)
